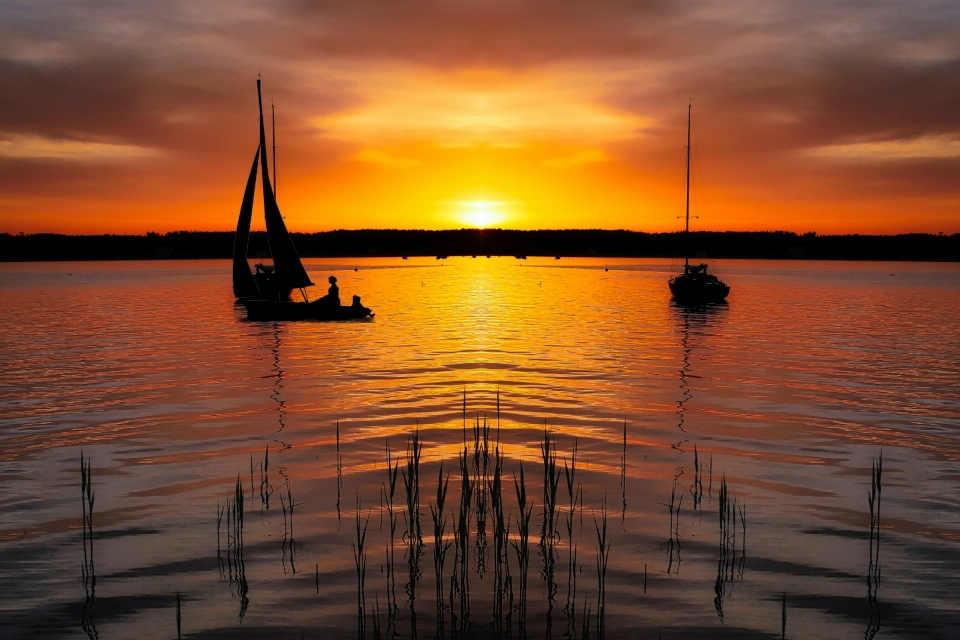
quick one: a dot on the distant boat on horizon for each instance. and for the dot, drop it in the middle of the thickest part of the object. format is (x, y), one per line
(695, 286)
(266, 291)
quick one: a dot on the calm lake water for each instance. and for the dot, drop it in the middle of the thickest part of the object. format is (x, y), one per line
(788, 394)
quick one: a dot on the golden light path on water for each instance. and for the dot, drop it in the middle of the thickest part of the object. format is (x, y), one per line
(789, 393)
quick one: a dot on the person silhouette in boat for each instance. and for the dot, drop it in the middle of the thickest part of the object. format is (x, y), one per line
(332, 298)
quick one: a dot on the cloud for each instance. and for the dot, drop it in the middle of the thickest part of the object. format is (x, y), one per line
(481, 107)
(922, 148)
(38, 147)
(585, 156)
(378, 156)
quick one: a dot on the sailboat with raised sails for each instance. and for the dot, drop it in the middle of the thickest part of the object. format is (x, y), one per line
(266, 291)
(695, 286)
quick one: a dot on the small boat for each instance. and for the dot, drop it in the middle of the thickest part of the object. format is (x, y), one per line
(259, 309)
(695, 287)
(266, 292)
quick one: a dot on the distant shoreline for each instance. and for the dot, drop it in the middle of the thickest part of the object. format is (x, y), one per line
(500, 242)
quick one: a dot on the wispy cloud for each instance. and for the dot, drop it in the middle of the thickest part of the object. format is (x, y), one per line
(924, 147)
(481, 107)
(37, 147)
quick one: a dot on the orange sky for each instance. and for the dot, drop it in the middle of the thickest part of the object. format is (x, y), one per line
(127, 118)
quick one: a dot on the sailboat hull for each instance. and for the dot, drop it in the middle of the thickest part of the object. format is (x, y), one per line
(268, 310)
(692, 291)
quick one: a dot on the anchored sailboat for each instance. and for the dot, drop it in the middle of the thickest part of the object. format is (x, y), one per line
(695, 286)
(266, 292)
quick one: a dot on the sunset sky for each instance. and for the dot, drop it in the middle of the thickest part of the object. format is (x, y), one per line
(835, 117)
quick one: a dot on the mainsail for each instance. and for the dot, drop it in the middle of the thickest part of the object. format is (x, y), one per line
(243, 283)
(289, 270)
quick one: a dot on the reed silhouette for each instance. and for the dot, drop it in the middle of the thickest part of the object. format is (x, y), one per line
(89, 573)
(783, 618)
(266, 489)
(481, 481)
(696, 489)
(521, 545)
(232, 513)
(460, 580)
(502, 581)
(873, 569)
(673, 546)
(360, 561)
(575, 502)
(289, 546)
(413, 535)
(549, 536)
(440, 546)
(603, 557)
(729, 567)
(388, 491)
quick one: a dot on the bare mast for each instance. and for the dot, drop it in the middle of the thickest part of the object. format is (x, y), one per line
(686, 257)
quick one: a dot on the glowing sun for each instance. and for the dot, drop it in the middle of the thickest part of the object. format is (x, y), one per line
(481, 213)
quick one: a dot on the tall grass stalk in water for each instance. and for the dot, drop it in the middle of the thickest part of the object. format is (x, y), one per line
(696, 490)
(481, 462)
(603, 556)
(389, 490)
(727, 566)
(674, 544)
(220, 564)
(440, 547)
(236, 568)
(413, 535)
(521, 544)
(548, 531)
(266, 489)
(360, 561)
(873, 573)
(575, 497)
(289, 546)
(501, 537)
(461, 534)
(89, 573)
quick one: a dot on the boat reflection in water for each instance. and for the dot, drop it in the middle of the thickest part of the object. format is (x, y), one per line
(266, 293)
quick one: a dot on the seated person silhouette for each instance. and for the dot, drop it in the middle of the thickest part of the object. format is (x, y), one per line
(356, 301)
(332, 299)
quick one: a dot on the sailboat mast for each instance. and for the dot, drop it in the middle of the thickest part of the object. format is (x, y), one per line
(686, 258)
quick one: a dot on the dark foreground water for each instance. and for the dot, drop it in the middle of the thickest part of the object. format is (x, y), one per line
(784, 398)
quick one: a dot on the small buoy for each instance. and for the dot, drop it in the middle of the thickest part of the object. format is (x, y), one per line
(355, 268)
(605, 268)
